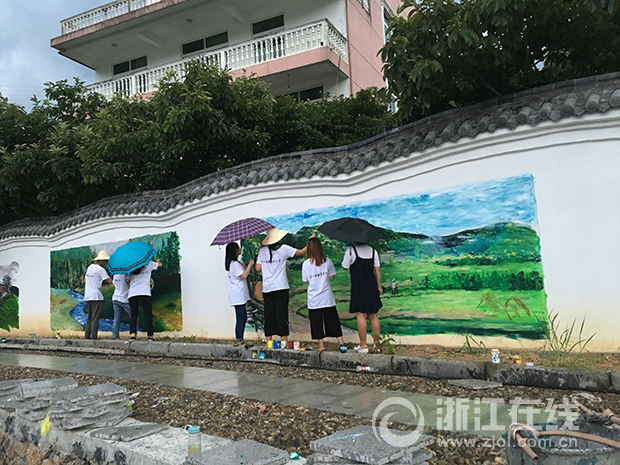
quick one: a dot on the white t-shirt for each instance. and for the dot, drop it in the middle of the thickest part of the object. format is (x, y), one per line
(320, 293)
(121, 287)
(238, 293)
(274, 271)
(95, 275)
(363, 251)
(140, 283)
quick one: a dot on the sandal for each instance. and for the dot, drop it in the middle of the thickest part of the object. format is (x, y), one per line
(361, 350)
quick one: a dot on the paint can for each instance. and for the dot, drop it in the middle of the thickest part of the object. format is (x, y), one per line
(254, 353)
(270, 344)
(495, 355)
(276, 344)
(296, 345)
(291, 344)
(517, 360)
(262, 355)
(33, 336)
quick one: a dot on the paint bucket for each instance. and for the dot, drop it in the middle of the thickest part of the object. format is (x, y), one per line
(495, 355)
(270, 344)
(262, 355)
(290, 344)
(276, 344)
(254, 353)
(296, 345)
(517, 360)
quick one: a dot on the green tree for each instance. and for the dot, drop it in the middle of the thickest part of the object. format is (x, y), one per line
(451, 53)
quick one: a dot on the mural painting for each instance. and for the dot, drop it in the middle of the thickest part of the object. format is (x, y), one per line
(68, 267)
(454, 261)
(9, 297)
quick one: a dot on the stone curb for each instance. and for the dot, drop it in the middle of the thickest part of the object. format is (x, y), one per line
(537, 376)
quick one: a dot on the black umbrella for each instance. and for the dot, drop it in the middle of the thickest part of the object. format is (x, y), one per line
(351, 230)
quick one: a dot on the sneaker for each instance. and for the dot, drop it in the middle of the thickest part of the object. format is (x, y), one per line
(343, 349)
(361, 350)
(132, 338)
(150, 338)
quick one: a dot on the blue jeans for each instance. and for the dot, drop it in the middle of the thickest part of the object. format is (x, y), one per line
(242, 318)
(119, 308)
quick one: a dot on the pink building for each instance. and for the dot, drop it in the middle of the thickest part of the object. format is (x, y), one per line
(298, 47)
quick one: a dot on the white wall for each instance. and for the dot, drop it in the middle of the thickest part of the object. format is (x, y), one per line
(575, 164)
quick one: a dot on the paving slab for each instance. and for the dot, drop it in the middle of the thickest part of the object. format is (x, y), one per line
(475, 384)
(246, 452)
(358, 444)
(128, 433)
(46, 387)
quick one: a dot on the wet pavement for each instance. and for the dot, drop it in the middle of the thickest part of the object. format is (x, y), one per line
(483, 417)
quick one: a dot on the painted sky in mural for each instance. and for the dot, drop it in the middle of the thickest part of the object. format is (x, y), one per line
(465, 259)
(67, 271)
(435, 213)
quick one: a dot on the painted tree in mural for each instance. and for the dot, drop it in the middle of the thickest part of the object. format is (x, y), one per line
(451, 53)
(9, 298)
(169, 255)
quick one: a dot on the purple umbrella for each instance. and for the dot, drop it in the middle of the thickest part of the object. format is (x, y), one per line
(241, 229)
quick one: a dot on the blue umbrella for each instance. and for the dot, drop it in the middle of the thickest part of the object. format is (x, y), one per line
(129, 257)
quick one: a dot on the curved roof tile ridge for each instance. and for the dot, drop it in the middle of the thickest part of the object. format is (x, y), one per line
(550, 102)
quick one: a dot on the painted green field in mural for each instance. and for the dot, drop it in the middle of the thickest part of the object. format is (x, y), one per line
(441, 273)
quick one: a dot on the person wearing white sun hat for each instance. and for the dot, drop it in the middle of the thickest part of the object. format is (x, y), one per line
(271, 261)
(95, 276)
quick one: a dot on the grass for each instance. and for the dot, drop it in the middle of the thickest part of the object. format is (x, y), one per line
(564, 347)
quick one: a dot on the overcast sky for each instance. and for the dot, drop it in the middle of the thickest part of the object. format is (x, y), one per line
(26, 58)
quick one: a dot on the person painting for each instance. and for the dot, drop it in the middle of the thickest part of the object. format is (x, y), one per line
(238, 293)
(318, 271)
(120, 302)
(362, 261)
(271, 262)
(140, 293)
(95, 276)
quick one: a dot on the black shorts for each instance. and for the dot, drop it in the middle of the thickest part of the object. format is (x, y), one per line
(324, 322)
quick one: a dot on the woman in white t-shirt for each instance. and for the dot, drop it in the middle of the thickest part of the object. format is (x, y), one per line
(271, 262)
(238, 293)
(140, 293)
(318, 271)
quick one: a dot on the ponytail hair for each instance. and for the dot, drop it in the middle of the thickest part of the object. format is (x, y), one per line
(315, 252)
(231, 254)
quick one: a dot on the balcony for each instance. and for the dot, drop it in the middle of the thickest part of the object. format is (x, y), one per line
(103, 13)
(268, 48)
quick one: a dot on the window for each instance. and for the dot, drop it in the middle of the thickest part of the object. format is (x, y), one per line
(217, 39)
(206, 43)
(316, 93)
(131, 65)
(268, 25)
(387, 15)
(194, 46)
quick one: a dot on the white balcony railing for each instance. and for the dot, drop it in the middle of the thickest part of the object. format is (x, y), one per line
(267, 48)
(102, 13)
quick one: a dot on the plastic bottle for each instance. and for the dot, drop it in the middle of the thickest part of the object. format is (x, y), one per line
(193, 439)
(364, 368)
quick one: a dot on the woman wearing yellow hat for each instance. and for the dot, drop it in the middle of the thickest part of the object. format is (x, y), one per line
(271, 262)
(95, 276)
